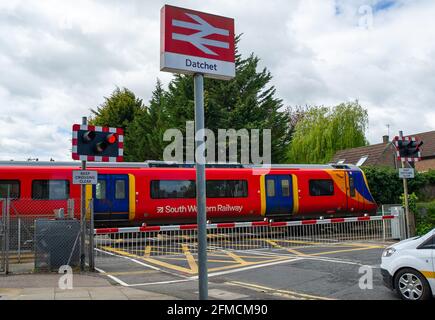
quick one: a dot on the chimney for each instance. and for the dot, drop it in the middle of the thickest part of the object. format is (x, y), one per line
(385, 139)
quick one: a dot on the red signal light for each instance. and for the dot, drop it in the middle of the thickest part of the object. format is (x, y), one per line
(111, 138)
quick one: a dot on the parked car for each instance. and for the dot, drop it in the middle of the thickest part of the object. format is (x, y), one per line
(408, 267)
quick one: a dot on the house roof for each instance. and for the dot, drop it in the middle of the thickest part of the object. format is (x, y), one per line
(372, 152)
(375, 151)
(428, 147)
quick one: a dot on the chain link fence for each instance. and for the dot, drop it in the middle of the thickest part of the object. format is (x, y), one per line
(43, 235)
(3, 238)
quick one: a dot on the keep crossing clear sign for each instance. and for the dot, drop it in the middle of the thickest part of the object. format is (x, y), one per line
(406, 173)
(85, 177)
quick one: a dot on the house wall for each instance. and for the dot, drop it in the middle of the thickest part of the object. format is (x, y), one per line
(425, 165)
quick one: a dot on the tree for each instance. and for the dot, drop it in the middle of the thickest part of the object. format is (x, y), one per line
(246, 101)
(145, 132)
(118, 111)
(322, 131)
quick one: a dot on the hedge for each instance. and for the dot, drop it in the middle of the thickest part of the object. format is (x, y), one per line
(386, 186)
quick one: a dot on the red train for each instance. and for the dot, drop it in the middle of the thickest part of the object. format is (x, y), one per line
(134, 193)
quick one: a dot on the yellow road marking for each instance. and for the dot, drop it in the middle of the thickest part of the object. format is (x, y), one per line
(151, 260)
(236, 258)
(345, 250)
(284, 293)
(190, 259)
(273, 243)
(208, 260)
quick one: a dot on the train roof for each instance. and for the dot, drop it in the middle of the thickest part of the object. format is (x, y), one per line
(162, 164)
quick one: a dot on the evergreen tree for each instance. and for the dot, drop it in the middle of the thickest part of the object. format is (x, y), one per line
(145, 138)
(246, 101)
(118, 111)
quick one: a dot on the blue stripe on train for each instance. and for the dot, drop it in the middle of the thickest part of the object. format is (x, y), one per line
(361, 186)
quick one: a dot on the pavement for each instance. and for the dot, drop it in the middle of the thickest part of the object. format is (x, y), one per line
(84, 287)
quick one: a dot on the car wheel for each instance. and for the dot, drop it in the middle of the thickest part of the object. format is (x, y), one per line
(412, 285)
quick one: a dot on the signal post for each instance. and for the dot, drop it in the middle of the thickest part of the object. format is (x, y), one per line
(94, 143)
(407, 150)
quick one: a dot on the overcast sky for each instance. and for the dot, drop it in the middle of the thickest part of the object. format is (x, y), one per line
(58, 59)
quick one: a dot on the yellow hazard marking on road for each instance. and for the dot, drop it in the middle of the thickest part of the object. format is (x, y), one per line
(236, 258)
(278, 292)
(366, 247)
(208, 260)
(190, 259)
(193, 268)
(274, 244)
(344, 250)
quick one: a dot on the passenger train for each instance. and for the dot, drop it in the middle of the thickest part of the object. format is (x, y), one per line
(162, 193)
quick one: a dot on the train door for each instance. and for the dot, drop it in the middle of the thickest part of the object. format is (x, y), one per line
(355, 201)
(279, 194)
(111, 197)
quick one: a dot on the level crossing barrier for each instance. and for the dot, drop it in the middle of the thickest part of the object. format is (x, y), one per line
(153, 241)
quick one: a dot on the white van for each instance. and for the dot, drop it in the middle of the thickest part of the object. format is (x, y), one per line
(408, 267)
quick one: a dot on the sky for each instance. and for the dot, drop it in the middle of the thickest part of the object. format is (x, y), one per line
(59, 59)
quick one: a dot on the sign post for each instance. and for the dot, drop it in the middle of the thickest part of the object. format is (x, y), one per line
(407, 150)
(83, 213)
(93, 143)
(202, 45)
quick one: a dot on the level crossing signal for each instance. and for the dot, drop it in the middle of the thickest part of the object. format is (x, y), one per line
(94, 143)
(408, 148)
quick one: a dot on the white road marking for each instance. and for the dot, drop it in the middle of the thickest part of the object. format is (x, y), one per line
(225, 295)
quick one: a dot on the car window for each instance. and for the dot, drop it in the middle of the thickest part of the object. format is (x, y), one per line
(428, 244)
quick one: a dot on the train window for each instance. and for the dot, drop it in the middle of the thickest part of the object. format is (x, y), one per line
(100, 190)
(50, 189)
(285, 187)
(172, 189)
(120, 189)
(351, 186)
(270, 187)
(324, 187)
(11, 187)
(227, 188)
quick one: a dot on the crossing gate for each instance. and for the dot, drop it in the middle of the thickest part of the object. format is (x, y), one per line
(150, 241)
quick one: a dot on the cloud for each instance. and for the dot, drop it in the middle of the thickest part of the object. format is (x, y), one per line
(59, 59)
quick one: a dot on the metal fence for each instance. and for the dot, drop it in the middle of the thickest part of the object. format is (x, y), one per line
(3, 238)
(145, 242)
(42, 235)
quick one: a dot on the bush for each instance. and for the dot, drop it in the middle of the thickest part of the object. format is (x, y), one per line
(386, 186)
(425, 217)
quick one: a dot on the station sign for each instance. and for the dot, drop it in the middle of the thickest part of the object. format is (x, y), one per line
(196, 42)
(85, 177)
(406, 173)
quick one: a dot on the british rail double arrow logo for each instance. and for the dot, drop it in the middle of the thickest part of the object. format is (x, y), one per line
(199, 39)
